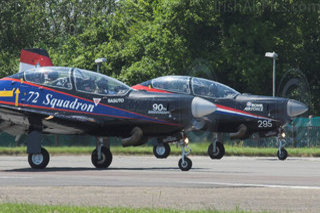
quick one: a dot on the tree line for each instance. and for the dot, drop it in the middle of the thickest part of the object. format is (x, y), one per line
(222, 40)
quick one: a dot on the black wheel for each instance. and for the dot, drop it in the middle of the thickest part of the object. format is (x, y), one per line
(219, 153)
(283, 155)
(161, 150)
(39, 161)
(186, 165)
(106, 158)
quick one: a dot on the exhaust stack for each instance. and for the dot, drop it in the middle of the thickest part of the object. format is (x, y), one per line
(135, 139)
(242, 131)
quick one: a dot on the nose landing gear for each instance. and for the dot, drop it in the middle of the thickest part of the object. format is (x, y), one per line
(185, 163)
(282, 152)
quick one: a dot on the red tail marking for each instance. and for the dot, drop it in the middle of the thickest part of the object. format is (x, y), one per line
(31, 58)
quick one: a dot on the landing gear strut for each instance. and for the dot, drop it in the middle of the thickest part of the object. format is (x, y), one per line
(185, 163)
(161, 150)
(101, 157)
(282, 152)
(38, 157)
(216, 149)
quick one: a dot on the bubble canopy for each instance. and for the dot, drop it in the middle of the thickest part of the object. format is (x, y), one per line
(194, 85)
(84, 80)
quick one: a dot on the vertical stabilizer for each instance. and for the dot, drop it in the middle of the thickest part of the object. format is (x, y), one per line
(30, 58)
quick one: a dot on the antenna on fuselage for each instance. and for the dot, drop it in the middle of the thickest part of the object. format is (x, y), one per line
(274, 56)
(99, 61)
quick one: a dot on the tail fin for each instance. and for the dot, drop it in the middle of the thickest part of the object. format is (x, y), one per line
(30, 58)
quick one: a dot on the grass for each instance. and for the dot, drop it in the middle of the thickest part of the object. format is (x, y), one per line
(197, 149)
(31, 208)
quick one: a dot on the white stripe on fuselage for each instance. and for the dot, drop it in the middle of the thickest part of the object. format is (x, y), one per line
(242, 114)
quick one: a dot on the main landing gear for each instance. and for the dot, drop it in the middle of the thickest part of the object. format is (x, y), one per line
(40, 160)
(38, 157)
(161, 150)
(282, 152)
(101, 157)
(216, 148)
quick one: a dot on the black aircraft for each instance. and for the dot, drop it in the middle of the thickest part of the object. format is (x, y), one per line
(62, 100)
(241, 115)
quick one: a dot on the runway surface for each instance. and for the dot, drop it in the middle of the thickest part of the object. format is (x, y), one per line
(138, 181)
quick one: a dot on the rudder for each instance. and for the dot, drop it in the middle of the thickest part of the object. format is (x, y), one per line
(30, 58)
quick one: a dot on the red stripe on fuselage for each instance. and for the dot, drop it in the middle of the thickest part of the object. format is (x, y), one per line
(243, 112)
(149, 89)
(235, 110)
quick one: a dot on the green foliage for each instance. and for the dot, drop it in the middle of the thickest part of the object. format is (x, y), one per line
(197, 149)
(143, 39)
(31, 208)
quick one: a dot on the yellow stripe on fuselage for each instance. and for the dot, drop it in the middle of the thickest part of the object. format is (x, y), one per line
(5, 93)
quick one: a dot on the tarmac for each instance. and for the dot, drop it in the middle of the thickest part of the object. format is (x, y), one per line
(245, 183)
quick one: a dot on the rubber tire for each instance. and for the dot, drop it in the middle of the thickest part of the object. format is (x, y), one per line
(45, 160)
(166, 152)
(284, 154)
(220, 151)
(187, 166)
(106, 158)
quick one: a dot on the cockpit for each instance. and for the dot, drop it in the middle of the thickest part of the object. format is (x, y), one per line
(208, 88)
(83, 80)
(193, 85)
(92, 82)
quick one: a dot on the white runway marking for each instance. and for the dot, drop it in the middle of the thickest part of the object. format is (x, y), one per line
(251, 184)
(17, 177)
(255, 185)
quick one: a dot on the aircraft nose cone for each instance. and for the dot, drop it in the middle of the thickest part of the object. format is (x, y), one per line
(295, 108)
(201, 107)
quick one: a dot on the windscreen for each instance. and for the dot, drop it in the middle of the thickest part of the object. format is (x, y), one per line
(203, 87)
(179, 84)
(50, 76)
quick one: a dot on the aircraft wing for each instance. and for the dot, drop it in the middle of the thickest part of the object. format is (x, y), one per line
(16, 121)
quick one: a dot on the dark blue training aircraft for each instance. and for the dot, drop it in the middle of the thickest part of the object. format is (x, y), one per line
(62, 100)
(241, 115)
